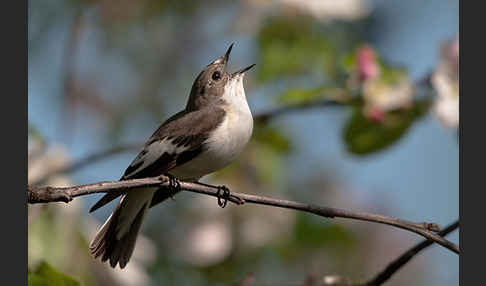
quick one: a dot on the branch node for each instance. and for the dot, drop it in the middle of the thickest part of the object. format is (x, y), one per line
(432, 227)
(47, 194)
(63, 197)
(237, 200)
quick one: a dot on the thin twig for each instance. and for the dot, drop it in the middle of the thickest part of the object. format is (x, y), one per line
(262, 117)
(66, 194)
(393, 267)
(271, 114)
(92, 158)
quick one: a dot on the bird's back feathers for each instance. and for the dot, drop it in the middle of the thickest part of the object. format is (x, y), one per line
(170, 146)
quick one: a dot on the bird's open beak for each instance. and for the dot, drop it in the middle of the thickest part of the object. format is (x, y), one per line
(227, 54)
(224, 59)
(242, 70)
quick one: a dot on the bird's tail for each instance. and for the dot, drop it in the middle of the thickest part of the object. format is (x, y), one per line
(116, 239)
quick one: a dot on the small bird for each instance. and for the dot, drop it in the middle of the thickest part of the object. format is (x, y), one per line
(206, 136)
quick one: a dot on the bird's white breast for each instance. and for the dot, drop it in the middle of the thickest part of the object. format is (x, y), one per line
(227, 140)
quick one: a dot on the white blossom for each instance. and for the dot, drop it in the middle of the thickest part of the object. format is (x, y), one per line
(326, 10)
(445, 80)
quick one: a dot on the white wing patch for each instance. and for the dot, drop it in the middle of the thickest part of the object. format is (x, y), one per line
(153, 151)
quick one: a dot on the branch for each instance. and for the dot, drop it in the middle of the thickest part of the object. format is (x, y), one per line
(66, 194)
(394, 266)
(262, 117)
(92, 158)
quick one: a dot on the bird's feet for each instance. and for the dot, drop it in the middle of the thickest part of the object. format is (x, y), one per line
(223, 198)
(174, 185)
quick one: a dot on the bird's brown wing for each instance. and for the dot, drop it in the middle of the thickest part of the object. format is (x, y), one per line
(177, 141)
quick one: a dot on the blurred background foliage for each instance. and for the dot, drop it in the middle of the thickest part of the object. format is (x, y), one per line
(369, 92)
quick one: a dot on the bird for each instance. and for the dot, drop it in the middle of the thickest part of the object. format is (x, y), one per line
(207, 135)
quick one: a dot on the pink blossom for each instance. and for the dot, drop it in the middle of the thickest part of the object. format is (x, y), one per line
(375, 114)
(368, 67)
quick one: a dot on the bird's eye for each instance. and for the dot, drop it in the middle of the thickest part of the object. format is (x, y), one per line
(216, 75)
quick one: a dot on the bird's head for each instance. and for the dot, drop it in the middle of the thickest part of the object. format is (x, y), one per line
(214, 83)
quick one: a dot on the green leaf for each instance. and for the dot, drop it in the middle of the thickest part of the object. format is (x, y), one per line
(348, 61)
(302, 95)
(363, 136)
(392, 75)
(293, 45)
(46, 275)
